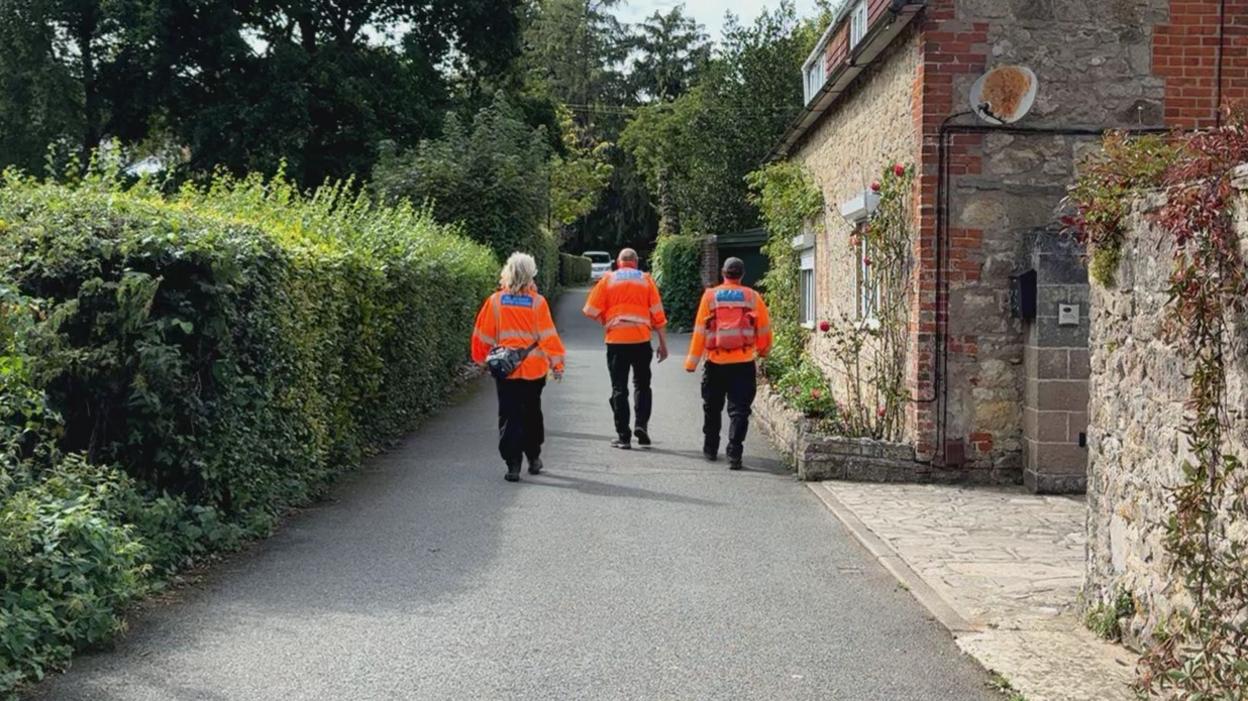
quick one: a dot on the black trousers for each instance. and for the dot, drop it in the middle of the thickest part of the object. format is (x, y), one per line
(737, 383)
(621, 358)
(521, 428)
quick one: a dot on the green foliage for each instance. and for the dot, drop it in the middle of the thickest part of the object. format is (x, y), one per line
(1103, 195)
(1201, 652)
(575, 50)
(672, 49)
(493, 177)
(702, 144)
(870, 354)
(198, 364)
(244, 85)
(69, 564)
(1105, 618)
(579, 174)
(790, 204)
(574, 270)
(677, 264)
(804, 387)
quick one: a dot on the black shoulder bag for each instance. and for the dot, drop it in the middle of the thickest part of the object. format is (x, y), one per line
(503, 362)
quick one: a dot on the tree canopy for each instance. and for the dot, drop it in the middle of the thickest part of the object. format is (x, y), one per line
(641, 127)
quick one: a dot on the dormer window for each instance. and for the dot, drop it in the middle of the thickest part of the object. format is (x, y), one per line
(850, 29)
(857, 23)
(814, 72)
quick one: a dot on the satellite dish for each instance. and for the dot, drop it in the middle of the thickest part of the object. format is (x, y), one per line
(1004, 95)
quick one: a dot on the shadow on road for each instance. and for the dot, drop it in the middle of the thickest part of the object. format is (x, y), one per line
(603, 489)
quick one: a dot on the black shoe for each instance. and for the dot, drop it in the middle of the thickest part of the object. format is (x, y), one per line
(711, 456)
(734, 463)
(535, 466)
(643, 436)
(621, 444)
(513, 472)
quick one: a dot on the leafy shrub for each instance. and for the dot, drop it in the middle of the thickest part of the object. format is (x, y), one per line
(69, 564)
(677, 264)
(227, 350)
(493, 177)
(237, 345)
(574, 270)
(546, 253)
(805, 388)
(1105, 191)
(1105, 618)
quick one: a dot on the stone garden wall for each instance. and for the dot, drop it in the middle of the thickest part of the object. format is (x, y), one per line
(1136, 448)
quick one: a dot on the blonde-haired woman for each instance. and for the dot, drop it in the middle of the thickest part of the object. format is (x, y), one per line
(515, 338)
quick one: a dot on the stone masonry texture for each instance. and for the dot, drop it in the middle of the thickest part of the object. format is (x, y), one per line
(877, 115)
(1137, 448)
(1095, 65)
(1055, 359)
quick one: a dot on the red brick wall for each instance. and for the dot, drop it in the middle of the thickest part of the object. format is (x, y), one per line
(837, 50)
(948, 49)
(1185, 51)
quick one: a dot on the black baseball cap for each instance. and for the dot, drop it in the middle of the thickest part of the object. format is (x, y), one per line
(734, 268)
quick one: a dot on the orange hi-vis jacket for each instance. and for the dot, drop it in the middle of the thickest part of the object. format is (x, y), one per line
(730, 294)
(627, 303)
(518, 321)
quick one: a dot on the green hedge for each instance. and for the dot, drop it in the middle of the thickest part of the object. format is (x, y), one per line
(229, 350)
(677, 265)
(545, 250)
(575, 270)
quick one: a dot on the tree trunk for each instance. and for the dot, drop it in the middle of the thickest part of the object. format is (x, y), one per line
(669, 215)
(84, 35)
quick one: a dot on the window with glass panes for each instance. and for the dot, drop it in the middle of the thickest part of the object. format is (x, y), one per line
(867, 283)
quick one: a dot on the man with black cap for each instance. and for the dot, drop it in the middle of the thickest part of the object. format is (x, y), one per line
(733, 330)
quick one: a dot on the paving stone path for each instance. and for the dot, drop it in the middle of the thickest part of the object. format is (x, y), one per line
(1009, 567)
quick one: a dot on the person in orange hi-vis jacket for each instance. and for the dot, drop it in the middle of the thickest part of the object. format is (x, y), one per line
(518, 317)
(627, 303)
(733, 330)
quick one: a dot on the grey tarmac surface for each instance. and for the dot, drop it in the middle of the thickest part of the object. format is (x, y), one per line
(617, 575)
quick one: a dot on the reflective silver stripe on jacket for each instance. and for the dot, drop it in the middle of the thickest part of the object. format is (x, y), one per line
(529, 336)
(627, 320)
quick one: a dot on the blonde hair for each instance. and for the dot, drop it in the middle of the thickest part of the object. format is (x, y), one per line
(519, 273)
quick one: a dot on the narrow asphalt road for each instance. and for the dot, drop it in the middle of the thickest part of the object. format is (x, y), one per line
(619, 575)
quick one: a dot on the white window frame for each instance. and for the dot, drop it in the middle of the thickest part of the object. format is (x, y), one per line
(815, 68)
(807, 289)
(866, 282)
(815, 71)
(857, 23)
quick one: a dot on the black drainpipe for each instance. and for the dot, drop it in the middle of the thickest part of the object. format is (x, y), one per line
(940, 383)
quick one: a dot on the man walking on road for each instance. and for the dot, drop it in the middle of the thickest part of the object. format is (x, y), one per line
(626, 302)
(733, 330)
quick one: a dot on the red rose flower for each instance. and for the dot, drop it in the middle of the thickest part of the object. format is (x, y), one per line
(866, 261)
(880, 412)
(825, 326)
(875, 186)
(899, 170)
(854, 240)
(814, 394)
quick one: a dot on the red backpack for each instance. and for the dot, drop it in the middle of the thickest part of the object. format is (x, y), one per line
(732, 322)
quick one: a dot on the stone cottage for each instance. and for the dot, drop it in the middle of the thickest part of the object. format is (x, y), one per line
(998, 382)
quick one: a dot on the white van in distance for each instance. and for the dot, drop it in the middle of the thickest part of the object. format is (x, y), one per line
(601, 263)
